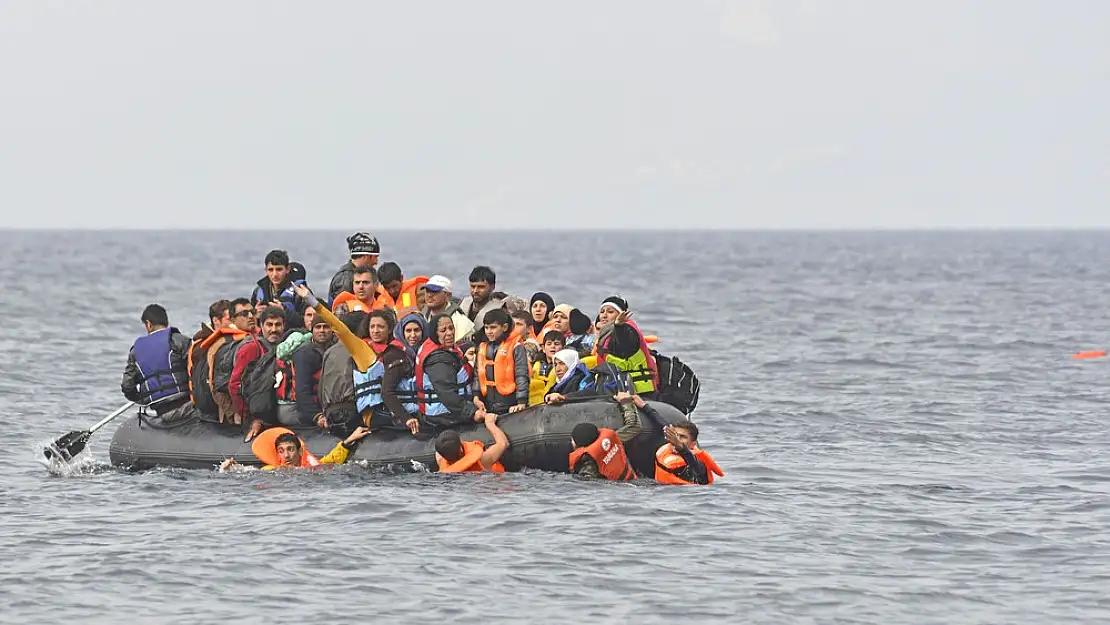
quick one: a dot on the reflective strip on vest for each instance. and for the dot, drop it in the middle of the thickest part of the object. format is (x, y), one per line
(368, 389)
(638, 370)
(428, 399)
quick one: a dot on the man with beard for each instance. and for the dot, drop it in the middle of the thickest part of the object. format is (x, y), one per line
(272, 329)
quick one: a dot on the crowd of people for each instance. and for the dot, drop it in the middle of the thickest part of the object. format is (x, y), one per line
(384, 351)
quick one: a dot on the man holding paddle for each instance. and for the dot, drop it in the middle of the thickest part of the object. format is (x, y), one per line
(157, 367)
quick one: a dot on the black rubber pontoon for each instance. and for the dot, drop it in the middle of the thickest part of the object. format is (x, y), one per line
(539, 439)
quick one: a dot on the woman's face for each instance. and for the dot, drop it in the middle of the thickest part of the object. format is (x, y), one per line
(560, 368)
(539, 310)
(413, 334)
(560, 322)
(608, 314)
(379, 330)
(445, 331)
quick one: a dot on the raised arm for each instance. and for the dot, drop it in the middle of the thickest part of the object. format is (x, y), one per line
(364, 356)
(500, 444)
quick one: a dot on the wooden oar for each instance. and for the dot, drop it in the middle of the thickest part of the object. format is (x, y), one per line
(74, 443)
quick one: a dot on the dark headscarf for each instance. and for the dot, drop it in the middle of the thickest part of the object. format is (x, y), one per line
(540, 296)
(399, 330)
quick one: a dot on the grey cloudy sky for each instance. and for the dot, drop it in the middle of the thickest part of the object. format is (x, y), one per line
(692, 113)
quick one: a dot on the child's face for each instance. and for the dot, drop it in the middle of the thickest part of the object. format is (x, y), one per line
(494, 331)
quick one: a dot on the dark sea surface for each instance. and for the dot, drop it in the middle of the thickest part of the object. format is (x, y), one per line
(905, 437)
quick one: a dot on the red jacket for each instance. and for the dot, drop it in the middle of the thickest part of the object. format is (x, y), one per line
(249, 351)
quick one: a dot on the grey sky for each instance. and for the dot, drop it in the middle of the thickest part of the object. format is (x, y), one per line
(784, 113)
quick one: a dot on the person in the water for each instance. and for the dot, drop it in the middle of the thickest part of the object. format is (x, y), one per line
(454, 455)
(599, 452)
(280, 448)
(681, 461)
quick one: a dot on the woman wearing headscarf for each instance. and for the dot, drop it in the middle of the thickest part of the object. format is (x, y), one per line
(621, 344)
(541, 306)
(443, 379)
(412, 331)
(570, 374)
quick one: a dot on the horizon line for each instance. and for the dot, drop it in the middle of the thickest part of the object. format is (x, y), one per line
(707, 229)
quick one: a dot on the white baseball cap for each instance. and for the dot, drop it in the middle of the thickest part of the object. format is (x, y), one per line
(438, 283)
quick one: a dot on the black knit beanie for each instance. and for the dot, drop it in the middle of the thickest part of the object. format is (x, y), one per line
(579, 322)
(584, 434)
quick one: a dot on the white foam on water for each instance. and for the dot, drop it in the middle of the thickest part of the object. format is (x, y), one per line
(82, 464)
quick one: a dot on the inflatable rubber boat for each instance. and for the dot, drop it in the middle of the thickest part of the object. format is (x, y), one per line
(539, 439)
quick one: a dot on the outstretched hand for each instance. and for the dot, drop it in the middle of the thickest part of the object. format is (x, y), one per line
(305, 293)
(359, 433)
(624, 316)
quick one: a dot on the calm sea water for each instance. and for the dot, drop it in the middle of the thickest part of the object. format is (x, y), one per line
(905, 437)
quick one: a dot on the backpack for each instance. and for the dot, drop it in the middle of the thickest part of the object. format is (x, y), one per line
(225, 364)
(258, 386)
(607, 378)
(678, 384)
(202, 392)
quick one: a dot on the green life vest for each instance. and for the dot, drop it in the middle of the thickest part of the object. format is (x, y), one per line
(636, 366)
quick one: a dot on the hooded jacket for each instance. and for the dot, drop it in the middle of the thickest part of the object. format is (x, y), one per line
(399, 331)
(264, 291)
(343, 280)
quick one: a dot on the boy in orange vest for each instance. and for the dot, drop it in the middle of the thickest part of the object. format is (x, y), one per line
(502, 368)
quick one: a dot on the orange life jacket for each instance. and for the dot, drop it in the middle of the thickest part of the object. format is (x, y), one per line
(504, 373)
(608, 452)
(406, 300)
(470, 461)
(265, 449)
(668, 462)
(539, 337)
(355, 304)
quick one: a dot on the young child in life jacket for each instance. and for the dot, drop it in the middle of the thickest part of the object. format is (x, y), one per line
(599, 452)
(454, 455)
(502, 368)
(280, 448)
(681, 461)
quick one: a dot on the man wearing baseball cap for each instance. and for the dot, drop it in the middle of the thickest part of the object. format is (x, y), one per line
(364, 250)
(438, 301)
